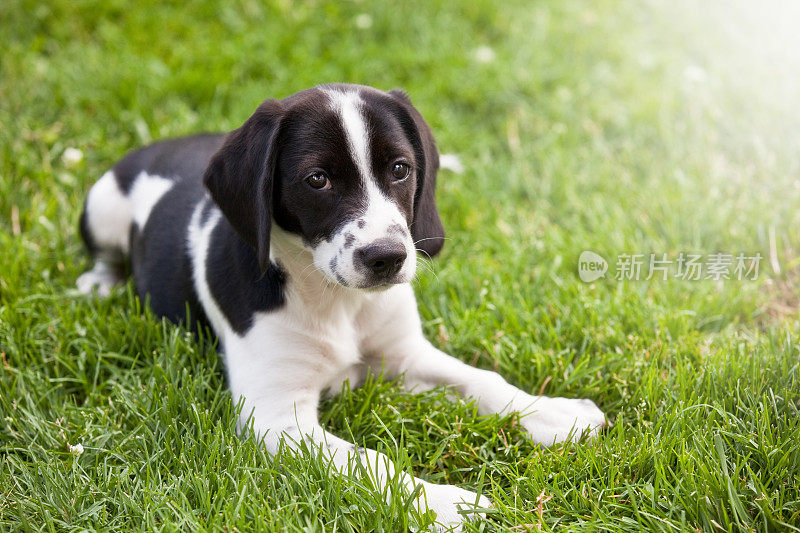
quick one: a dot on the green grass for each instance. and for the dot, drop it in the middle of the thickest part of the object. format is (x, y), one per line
(619, 129)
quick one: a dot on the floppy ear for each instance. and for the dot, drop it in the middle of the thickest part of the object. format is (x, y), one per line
(240, 177)
(426, 227)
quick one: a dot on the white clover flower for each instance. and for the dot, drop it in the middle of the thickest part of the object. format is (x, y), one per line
(72, 156)
(363, 21)
(451, 162)
(76, 449)
(484, 54)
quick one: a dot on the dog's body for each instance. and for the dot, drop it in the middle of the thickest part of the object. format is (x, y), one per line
(299, 252)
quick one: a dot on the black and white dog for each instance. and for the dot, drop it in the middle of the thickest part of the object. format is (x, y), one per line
(295, 238)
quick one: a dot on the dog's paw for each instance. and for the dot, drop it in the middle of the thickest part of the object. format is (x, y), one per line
(100, 279)
(553, 420)
(453, 505)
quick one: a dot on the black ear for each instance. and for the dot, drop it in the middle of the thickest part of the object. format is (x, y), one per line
(426, 228)
(240, 177)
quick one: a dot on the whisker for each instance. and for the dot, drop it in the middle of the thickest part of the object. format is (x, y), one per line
(311, 266)
(433, 272)
(427, 265)
(433, 238)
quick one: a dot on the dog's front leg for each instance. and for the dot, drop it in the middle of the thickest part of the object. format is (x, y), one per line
(547, 420)
(398, 347)
(280, 395)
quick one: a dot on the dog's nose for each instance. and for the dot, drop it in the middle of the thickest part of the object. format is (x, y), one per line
(384, 257)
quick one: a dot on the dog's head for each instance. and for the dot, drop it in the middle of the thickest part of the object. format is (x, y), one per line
(349, 169)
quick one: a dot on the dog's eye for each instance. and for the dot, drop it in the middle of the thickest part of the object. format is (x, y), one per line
(400, 171)
(319, 181)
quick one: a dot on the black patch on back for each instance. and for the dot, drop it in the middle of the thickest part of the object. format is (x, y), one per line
(171, 159)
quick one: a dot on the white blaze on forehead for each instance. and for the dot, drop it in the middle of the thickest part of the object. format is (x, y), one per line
(348, 106)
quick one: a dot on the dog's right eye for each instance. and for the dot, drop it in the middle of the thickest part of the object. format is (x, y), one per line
(318, 180)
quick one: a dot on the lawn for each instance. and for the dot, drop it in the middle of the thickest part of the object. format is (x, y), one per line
(625, 129)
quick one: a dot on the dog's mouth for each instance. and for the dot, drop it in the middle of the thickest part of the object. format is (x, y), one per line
(366, 285)
(381, 286)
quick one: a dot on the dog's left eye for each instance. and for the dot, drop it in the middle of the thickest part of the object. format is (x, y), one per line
(318, 180)
(400, 171)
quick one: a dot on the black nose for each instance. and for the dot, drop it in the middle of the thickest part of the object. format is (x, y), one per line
(384, 257)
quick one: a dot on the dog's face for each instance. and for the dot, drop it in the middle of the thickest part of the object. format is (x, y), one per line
(348, 169)
(346, 180)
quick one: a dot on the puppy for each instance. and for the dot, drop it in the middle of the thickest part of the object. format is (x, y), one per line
(295, 238)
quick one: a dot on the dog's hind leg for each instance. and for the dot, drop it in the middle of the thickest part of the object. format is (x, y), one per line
(105, 228)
